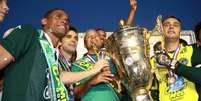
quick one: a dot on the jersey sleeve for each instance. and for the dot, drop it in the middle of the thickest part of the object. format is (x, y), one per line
(19, 40)
(192, 73)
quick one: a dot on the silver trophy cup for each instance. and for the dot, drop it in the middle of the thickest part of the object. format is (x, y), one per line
(129, 48)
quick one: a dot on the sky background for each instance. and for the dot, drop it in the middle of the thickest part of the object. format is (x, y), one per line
(86, 14)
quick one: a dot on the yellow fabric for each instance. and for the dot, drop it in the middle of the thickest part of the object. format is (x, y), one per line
(188, 92)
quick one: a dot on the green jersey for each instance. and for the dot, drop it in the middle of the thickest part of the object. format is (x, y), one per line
(25, 77)
(99, 92)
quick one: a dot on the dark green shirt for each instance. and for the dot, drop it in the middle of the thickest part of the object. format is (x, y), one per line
(99, 92)
(193, 74)
(25, 77)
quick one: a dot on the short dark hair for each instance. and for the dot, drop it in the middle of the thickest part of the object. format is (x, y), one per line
(99, 29)
(73, 29)
(197, 30)
(74, 56)
(171, 16)
(49, 12)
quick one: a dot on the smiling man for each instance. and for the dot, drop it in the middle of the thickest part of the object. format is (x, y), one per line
(28, 59)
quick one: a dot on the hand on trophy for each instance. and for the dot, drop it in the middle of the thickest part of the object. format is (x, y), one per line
(162, 58)
(99, 65)
(104, 76)
(157, 47)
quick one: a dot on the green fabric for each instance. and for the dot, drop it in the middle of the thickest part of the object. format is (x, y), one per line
(154, 92)
(58, 90)
(76, 68)
(66, 66)
(125, 95)
(25, 78)
(192, 74)
(99, 92)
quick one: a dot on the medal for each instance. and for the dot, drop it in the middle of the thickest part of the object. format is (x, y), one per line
(171, 75)
(171, 80)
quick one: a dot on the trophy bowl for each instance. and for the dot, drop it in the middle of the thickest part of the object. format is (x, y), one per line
(129, 49)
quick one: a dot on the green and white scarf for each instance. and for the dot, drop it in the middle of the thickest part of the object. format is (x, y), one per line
(57, 89)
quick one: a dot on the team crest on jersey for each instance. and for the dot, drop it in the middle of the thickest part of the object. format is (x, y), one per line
(183, 61)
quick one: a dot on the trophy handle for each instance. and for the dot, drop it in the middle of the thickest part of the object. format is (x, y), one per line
(103, 54)
(159, 29)
(147, 35)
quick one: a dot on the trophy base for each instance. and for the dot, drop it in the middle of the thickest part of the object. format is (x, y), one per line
(141, 94)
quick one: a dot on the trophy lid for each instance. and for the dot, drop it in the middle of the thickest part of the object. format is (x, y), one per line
(122, 25)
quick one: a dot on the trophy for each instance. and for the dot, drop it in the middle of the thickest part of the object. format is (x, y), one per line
(129, 49)
(103, 54)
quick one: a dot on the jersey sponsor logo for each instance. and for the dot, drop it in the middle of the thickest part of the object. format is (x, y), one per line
(84, 64)
(177, 92)
(183, 61)
(176, 86)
